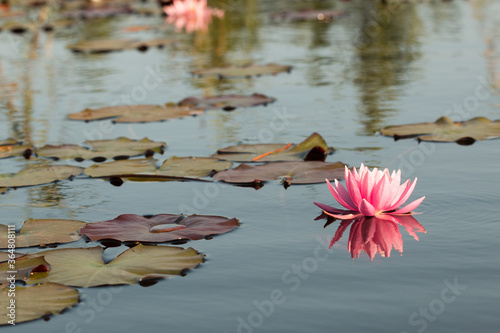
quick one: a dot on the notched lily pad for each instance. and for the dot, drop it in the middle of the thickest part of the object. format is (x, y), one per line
(243, 71)
(120, 148)
(38, 175)
(159, 228)
(85, 267)
(313, 148)
(23, 267)
(227, 102)
(37, 302)
(307, 172)
(145, 169)
(308, 15)
(15, 150)
(446, 130)
(114, 45)
(136, 113)
(43, 231)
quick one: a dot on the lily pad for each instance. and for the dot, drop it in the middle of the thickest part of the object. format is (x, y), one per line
(43, 231)
(120, 148)
(446, 130)
(136, 113)
(85, 267)
(96, 12)
(23, 267)
(113, 45)
(145, 169)
(312, 148)
(37, 302)
(159, 228)
(307, 172)
(15, 150)
(227, 102)
(39, 174)
(243, 71)
(308, 15)
(9, 142)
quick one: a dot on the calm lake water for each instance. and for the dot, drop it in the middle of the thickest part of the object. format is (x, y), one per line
(413, 66)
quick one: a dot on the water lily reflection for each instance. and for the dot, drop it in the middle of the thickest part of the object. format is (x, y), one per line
(191, 15)
(376, 234)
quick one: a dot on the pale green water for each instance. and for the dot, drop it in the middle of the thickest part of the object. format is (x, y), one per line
(429, 57)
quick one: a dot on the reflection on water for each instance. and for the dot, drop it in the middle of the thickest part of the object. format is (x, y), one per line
(374, 235)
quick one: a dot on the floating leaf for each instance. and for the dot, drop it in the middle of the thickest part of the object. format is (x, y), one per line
(308, 15)
(174, 167)
(227, 102)
(446, 130)
(15, 150)
(9, 142)
(243, 71)
(39, 174)
(96, 12)
(113, 45)
(159, 228)
(312, 148)
(43, 231)
(308, 172)
(23, 267)
(85, 267)
(136, 113)
(103, 149)
(37, 302)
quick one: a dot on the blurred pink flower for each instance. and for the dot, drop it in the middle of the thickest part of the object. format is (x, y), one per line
(377, 234)
(371, 193)
(191, 15)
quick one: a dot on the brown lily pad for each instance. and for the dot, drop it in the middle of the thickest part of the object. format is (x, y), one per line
(227, 102)
(308, 15)
(446, 130)
(120, 148)
(85, 267)
(243, 71)
(159, 228)
(307, 172)
(43, 231)
(114, 45)
(96, 12)
(15, 150)
(36, 302)
(38, 175)
(145, 169)
(136, 113)
(312, 148)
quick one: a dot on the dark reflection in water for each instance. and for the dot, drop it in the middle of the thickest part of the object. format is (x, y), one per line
(374, 235)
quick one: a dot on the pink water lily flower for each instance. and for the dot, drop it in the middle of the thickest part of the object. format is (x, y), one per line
(371, 193)
(191, 14)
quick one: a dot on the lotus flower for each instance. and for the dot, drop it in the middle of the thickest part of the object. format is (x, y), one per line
(371, 193)
(191, 14)
(377, 234)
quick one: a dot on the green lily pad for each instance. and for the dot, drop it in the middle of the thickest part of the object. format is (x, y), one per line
(37, 302)
(103, 149)
(307, 172)
(15, 150)
(85, 267)
(227, 102)
(39, 174)
(43, 231)
(312, 148)
(145, 169)
(113, 45)
(446, 130)
(159, 228)
(24, 267)
(136, 113)
(243, 71)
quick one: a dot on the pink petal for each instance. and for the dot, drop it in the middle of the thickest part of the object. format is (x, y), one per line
(403, 194)
(340, 198)
(340, 231)
(343, 217)
(411, 206)
(367, 182)
(331, 209)
(366, 208)
(381, 194)
(353, 189)
(342, 192)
